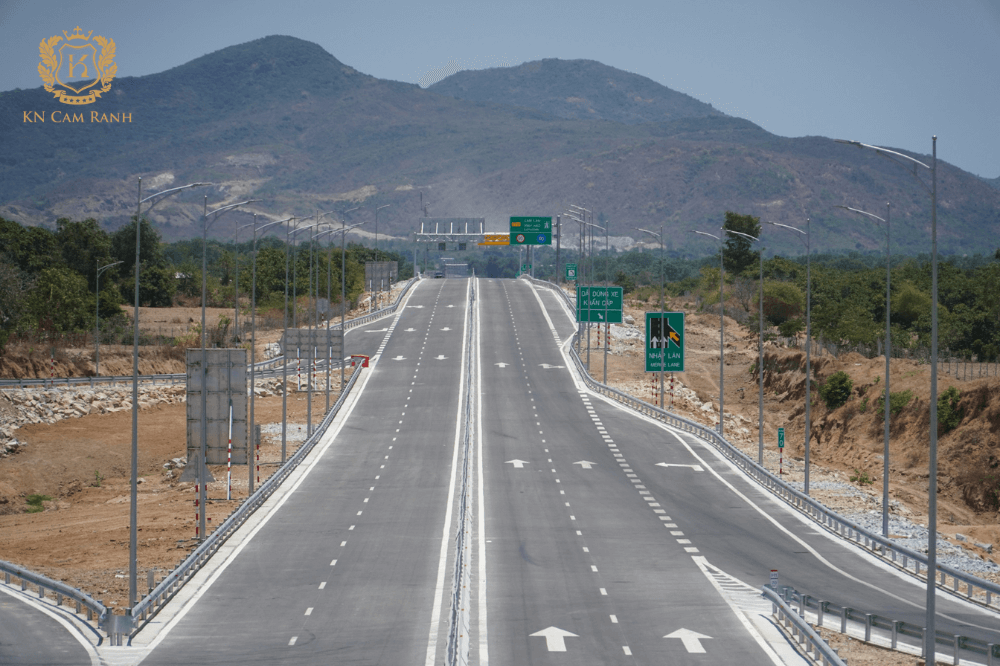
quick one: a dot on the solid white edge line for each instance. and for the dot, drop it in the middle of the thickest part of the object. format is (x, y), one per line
(74, 631)
(316, 456)
(436, 609)
(484, 653)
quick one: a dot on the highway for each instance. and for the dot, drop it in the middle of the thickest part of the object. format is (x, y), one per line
(32, 637)
(347, 571)
(597, 535)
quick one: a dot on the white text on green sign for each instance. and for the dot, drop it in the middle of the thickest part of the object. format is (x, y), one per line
(665, 342)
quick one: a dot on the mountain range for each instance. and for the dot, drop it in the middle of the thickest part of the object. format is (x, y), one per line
(281, 120)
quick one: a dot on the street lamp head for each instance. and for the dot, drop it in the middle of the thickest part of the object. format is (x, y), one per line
(703, 233)
(740, 233)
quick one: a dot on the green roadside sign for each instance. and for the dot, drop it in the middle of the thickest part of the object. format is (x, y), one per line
(525, 268)
(665, 342)
(570, 271)
(599, 304)
(531, 231)
(781, 438)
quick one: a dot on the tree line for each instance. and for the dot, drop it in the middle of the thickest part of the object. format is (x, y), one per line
(49, 279)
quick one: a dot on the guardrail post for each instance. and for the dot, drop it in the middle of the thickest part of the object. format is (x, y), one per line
(991, 649)
(24, 585)
(868, 627)
(820, 612)
(895, 633)
(958, 644)
(41, 592)
(6, 578)
(845, 613)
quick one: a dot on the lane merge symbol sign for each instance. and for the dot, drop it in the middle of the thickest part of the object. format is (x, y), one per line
(664, 342)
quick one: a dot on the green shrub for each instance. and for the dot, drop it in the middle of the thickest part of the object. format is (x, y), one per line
(948, 411)
(864, 405)
(897, 402)
(861, 477)
(837, 390)
(35, 502)
(791, 327)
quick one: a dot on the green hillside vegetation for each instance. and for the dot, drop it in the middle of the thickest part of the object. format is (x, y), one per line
(48, 280)
(283, 120)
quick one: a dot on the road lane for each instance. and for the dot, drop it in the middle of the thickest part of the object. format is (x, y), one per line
(346, 569)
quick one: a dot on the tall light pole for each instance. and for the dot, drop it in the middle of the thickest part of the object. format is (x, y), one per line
(133, 538)
(253, 347)
(377, 209)
(760, 350)
(97, 317)
(289, 235)
(805, 485)
(236, 289)
(888, 350)
(663, 339)
(343, 278)
(911, 165)
(203, 462)
(722, 339)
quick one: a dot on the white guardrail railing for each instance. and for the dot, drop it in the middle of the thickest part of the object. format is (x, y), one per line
(459, 618)
(976, 589)
(865, 625)
(180, 377)
(815, 647)
(86, 606)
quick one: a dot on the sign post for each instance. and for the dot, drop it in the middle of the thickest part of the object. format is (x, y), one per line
(781, 450)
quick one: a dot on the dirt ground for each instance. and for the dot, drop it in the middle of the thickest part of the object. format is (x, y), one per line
(82, 536)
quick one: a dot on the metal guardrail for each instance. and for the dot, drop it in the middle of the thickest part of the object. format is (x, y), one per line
(816, 648)
(977, 590)
(867, 622)
(177, 378)
(460, 616)
(143, 611)
(95, 611)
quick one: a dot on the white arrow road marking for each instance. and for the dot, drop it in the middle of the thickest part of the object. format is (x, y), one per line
(502, 365)
(409, 330)
(440, 357)
(449, 306)
(377, 330)
(585, 464)
(691, 639)
(546, 366)
(399, 358)
(518, 464)
(555, 638)
(445, 329)
(696, 468)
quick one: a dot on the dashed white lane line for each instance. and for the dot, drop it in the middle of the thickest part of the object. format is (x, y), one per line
(322, 585)
(292, 640)
(333, 563)
(309, 611)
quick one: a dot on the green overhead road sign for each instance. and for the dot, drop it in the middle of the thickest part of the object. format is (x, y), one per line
(781, 438)
(665, 341)
(600, 304)
(531, 231)
(570, 271)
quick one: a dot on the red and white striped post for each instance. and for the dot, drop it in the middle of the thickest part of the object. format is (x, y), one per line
(298, 370)
(197, 509)
(229, 456)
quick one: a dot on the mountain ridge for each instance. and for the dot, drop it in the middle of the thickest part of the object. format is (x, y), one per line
(282, 120)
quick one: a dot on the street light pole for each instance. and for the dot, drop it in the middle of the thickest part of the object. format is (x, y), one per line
(343, 283)
(910, 165)
(253, 348)
(663, 339)
(722, 338)
(805, 233)
(97, 317)
(377, 209)
(133, 499)
(203, 462)
(760, 351)
(888, 350)
(289, 234)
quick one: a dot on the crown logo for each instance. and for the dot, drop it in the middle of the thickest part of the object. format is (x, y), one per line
(78, 34)
(77, 58)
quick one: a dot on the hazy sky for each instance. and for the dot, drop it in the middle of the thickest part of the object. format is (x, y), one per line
(889, 72)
